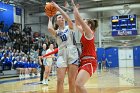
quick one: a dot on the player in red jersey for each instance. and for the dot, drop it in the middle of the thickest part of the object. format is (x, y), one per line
(88, 62)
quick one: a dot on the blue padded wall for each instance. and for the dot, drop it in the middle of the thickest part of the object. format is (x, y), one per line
(112, 56)
(136, 56)
(7, 16)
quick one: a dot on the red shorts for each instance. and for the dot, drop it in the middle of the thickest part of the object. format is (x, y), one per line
(88, 65)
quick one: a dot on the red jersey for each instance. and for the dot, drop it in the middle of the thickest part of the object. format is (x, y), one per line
(88, 47)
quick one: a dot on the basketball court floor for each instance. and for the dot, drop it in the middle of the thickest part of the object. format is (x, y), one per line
(123, 80)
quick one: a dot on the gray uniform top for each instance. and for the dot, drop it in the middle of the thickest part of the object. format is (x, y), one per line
(44, 52)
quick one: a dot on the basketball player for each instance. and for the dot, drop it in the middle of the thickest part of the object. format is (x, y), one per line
(67, 53)
(48, 64)
(88, 62)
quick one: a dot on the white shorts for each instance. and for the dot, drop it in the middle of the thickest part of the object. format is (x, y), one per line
(47, 63)
(67, 55)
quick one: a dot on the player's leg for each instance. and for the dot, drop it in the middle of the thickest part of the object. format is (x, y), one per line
(60, 79)
(82, 77)
(72, 73)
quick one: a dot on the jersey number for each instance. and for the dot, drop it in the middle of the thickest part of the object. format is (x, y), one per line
(63, 37)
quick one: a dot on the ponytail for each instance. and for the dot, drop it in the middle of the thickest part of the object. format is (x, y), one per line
(56, 26)
(54, 20)
(93, 23)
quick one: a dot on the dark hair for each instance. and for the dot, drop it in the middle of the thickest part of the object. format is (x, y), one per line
(50, 44)
(56, 26)
(54, 20)
(93, 23)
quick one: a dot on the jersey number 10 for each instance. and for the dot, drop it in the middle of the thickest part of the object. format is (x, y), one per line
(63, 37)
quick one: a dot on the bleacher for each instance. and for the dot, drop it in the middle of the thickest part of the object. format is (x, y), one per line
(18, 44)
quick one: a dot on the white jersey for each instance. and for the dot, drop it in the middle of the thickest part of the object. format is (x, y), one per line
(48, 51)
(64, 37)
(67, 53)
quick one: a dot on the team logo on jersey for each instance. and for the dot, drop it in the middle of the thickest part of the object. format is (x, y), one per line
(63, 35)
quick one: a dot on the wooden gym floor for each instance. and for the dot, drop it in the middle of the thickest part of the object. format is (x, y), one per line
(124, 80)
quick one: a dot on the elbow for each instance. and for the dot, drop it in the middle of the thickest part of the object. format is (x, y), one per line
(49, 28)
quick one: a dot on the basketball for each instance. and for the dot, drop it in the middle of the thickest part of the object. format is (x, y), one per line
(50, 10)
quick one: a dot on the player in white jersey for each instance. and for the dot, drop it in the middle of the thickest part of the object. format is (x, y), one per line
(48, 64)
(67, 55)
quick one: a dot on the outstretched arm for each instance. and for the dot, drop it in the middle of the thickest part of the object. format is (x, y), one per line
(53, 52)
(64, 14)
(79, 27)
(85, 27)
(50, 27)
(49, 57)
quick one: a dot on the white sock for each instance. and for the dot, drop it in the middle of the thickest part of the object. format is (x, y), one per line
(46, 80)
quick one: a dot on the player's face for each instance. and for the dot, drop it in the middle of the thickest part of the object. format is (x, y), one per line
(60, 20)
(51, 46)
(44, 46)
